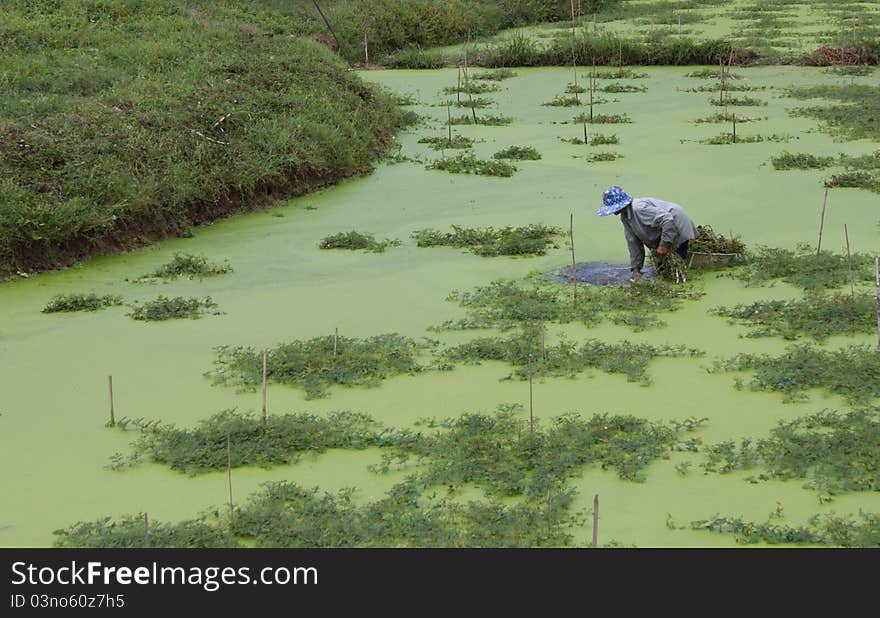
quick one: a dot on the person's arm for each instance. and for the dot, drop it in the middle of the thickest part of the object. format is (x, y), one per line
(636, 250)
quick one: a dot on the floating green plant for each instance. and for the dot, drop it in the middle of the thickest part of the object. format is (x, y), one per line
(187, 265)
(726, 87)
(532, 239)
(801, 161)
(620, 73)
(858, 180)
(816, 315)
(407, 118)
(712, 74)
(164, 308)
(602, 119)
(730, 138)
(468, 163)
(804, 268)
(726, 117)
(471, 102)
(603, 156)
(443, 142)
(354, 240)
(854, 117)
(519, 153)
(472, 88)
(853, 372)
(280, 439)
(404, 100)
(834, 452)
(565, 359)
(738, 101)
(828, 529)
(316, 364)
(495, 76)
(483, 119)
(597, 139)
(127, 532)
(562, 101)
(614, 87)
(81, 302)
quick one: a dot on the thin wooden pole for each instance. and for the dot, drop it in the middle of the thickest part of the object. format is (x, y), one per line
(112, 411)
(877, 276)
(366, 50)
(449, 123)
(336, 342)
(543, 336)
(229, 476)
(146, 530)
(822, 222)
(550, 506)
(721, 82)
(596, 520)
(458, 90)
(531, 399)
(852, 283)
(592, 87)
(265, 354)
(574, 280)
(734, 127)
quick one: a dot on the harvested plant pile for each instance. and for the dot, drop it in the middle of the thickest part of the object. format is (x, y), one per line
(709, 241)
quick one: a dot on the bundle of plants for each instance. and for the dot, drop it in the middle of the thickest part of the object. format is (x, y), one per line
(444, 142)
(836, 453)
(415, 58)
(518, 153)
(488, 120)
(851, 372)
(826, 529)
(280, 439)
(164, 308)
(81, 302)
(508, 303)
(316, 364)
(529, 240)
(815, 315)
(354, 240)
(710, 241)
(187, 265)
(565, 359)
(670, 267)
(507, 455)
(804, 268)
(468, 163)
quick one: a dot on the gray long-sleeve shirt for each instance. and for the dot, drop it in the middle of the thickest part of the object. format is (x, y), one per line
(650, 221)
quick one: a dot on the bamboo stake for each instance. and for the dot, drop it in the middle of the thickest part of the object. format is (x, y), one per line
(449, 122)
(531, 399)
(467, 87)
(877, 275)
(721, 82)
(586, 141)
(458, 90)
(679, 24)
(112, 411)
(264, 383)
(550, 506)
(734, 127)
(596, 520)
(366, 50)
(574, 280)
(852, 284)
(146, 530)
(543, 336)
(229, 476)
(592, 87)
(822, 222)
(336, 342)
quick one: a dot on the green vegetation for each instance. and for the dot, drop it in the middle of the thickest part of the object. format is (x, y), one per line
(281, 439)
(519, 153)
(187, 265)
(804, 268)
(316, 364)
(713, 74)
(158, 117)
(602, 119)
(620, 73)
(738, 101)
(81, 302)
(163, 308)
(562, 101)
(828, 529)
(357, 240)
(442, 143)
(415, 58)
(856, 116)
(603, 156)
(472, 88)
(836, 453)
(859, 180)
(128, 533)
(816, 315)
(473, 102)
(614, 87)
(728, 138)
(851, 372)
(468, 163)
(725, 117)
(565, 359)
(487, 120)
(528, 240)
(496, 76)
(801, 161)
(597, 139)
(505, 304)
(710, 241)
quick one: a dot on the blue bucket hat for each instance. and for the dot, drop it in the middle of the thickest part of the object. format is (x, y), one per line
(613, 199)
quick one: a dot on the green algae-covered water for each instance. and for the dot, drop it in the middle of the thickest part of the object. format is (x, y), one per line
(53, 368)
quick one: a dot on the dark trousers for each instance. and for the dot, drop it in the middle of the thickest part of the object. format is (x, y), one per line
(683, 250)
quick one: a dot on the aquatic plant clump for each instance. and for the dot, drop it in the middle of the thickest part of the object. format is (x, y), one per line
(354, 240)
(726, 117)
(738, 101)
(616, 87)
(127, 532)
(495, 76)
(188, 265)
(710, 241)
(602, 119)
(472, 88)
(853, 117)
(444, 142)
(804, 268)
(834, 452)
(280, 439)
(488, 120)
(518, 153)
(529, 240)
(828, 529)
(603, 156)
(851, 372)
(816, 315)
(81, 302)
(316, 364)
(801, 161)
(468, 163)
(561, 101)
(164, 308)
(564, 359)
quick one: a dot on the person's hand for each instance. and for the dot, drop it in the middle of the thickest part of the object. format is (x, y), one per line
(635, 275)
(661, 250)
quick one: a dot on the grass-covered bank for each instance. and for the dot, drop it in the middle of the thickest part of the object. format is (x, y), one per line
(123, 122)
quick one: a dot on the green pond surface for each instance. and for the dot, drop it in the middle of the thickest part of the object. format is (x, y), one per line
(53, 367)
